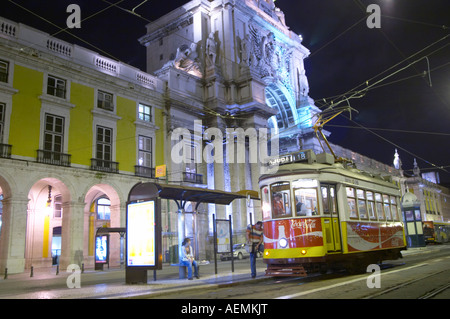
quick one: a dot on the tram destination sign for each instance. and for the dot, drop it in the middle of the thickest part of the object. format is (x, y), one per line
(299, 157)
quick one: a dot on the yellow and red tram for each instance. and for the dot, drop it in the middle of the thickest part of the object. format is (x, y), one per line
(320, 214)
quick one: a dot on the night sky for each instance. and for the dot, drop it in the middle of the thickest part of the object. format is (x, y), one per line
(403, 111)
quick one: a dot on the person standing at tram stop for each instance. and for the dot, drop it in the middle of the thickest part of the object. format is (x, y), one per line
(255, 239)
(187, 259)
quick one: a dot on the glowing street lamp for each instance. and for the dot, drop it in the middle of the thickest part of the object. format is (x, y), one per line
(48, 206)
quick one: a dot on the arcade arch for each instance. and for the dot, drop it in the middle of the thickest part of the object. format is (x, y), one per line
(278, 98)
(45, 216)
(103, 209)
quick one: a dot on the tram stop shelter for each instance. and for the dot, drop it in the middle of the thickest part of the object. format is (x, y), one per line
(181, 195)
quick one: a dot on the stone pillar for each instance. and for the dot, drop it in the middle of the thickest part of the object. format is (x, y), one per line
(12, 240)
(114, 238)
(72, 237)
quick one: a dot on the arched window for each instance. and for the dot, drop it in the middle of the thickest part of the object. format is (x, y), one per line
(103, 207)
(277, 99)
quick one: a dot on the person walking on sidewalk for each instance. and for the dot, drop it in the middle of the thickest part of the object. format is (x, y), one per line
(187, 258)
(255, 238)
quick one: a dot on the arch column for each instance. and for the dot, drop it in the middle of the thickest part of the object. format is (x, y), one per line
(115, 248)
(12, 240)
(72, 237)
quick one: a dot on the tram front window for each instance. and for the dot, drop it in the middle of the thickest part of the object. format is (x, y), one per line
(306, 202)
(281, 200)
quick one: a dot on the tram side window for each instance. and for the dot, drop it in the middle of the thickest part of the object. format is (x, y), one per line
(394, 208)
(281, 200)
(362, 207)
(351, 201)
(387, 208)
(379, 206)
(306, 202)
(265, 202)
(371, 205)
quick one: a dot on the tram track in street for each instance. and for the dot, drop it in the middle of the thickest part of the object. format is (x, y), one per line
(386, 291)
(435, 292)
(429, 294)
(418, 276)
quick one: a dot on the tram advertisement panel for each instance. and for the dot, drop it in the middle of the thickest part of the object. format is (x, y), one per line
(302, 232)
(141, 239)
(372, 236)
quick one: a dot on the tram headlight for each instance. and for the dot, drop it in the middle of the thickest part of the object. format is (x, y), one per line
(283, 242)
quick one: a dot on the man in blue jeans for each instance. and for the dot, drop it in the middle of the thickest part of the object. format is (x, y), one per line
(255, 238)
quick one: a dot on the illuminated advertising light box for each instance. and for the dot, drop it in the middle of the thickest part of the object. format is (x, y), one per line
(142, 235)
(101, 249)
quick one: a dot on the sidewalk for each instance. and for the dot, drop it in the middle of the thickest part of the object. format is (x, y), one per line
(45, 284)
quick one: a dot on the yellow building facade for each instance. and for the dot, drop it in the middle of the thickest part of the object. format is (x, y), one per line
(77, 132)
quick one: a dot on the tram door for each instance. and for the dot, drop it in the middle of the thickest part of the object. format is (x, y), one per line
(331, 220)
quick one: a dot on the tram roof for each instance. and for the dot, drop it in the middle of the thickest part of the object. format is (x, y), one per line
(317, 168)
(147, 191)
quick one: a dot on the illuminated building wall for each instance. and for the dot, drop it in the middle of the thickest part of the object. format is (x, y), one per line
(78, 128)
(231, 64)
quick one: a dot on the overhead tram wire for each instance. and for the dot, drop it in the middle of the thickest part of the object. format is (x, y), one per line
(320, 104)
(65, 30)
(184, 38)
(365, 84)
(392, 130)
(361, 93)
(396, 145)
(89, 17)
(62, 30)
(401, 53)
(340, 35)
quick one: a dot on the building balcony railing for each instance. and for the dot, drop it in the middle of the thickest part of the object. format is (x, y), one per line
(192, 178)
(144, 171)
(40, 41)
(5, 150)
(104, 166)
(53, 158)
